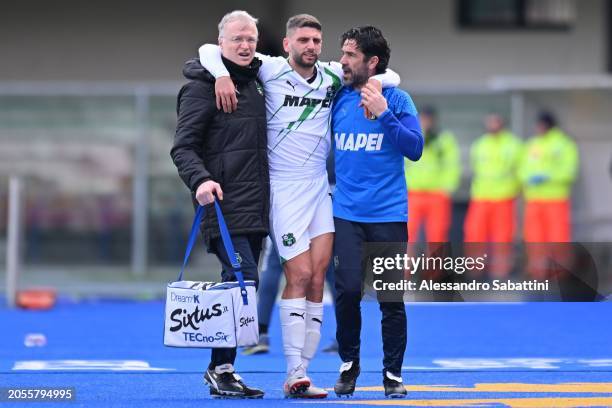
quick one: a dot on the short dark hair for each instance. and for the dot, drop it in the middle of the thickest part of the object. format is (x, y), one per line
(547, 118)
(429, 110)
(371, 42)
(302, 20)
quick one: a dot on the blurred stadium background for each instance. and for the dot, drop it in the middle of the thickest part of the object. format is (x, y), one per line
(87, 114)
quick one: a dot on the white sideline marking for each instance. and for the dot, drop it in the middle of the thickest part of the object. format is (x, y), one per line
(79, 365)
(516, 363)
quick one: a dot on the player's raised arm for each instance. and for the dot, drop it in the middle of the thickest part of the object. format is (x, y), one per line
(388, 79)
(225, 90)
(210, 58)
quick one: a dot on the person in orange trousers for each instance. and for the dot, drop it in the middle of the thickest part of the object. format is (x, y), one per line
(495, 158)
(547, 172)
(432, 180)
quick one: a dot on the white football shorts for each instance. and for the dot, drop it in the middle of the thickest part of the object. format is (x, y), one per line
(300, 210)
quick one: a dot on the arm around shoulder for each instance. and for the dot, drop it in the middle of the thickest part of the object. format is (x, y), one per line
(210, 58)
(388, 79)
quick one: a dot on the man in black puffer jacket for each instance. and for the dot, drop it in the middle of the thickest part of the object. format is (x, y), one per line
(224, 155)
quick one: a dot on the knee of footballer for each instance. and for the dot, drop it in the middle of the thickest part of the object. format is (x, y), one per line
(300, 280)
(317, 281)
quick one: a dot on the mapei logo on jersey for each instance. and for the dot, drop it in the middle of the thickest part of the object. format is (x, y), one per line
(298, 101)
(288, 239)
(367, 142)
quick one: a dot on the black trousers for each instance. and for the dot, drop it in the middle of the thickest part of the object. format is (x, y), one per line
(248, 248)
(349, 267)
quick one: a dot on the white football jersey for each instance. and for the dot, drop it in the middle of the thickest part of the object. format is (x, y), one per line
(299, 117)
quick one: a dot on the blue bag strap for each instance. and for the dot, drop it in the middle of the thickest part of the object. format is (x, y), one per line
(192, 238)
(227, 243)
(231, 253)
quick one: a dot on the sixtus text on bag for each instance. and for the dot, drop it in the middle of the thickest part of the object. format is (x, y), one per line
(184, 319)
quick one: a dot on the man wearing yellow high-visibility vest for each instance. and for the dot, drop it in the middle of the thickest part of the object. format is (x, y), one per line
(547, 172)
(432, 180)
(495, 158)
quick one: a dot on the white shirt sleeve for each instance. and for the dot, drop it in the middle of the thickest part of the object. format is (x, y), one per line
(388, 79)
(210, 58)
(336, 68)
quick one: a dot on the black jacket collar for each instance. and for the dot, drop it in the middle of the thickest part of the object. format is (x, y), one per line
(240, 73)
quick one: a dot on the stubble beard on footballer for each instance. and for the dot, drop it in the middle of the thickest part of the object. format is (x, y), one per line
(299, 60)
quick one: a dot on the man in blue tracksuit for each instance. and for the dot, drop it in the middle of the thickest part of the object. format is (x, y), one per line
(370, 204)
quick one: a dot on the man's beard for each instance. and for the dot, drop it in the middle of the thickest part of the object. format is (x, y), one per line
(357, 78)
(298, 59)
